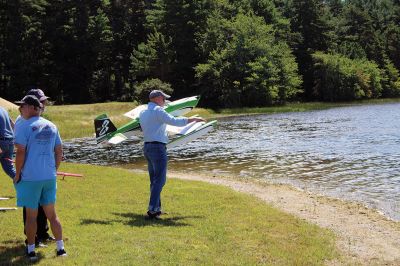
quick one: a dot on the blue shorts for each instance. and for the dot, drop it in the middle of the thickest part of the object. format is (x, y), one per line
(32, 193)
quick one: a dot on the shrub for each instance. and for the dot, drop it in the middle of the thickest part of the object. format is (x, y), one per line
(338, 78)
(142, 89)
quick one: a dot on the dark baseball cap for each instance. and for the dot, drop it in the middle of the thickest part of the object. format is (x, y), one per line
(156, 93)
(38, 93)
(30, 100)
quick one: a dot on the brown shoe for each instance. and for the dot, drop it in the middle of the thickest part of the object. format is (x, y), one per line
(153, 215)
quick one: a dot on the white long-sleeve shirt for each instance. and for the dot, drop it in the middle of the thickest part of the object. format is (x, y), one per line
(154, 120)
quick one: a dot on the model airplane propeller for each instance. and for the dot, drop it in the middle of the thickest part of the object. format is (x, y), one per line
(106, 131)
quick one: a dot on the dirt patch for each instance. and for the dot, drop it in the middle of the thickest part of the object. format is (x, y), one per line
(364, 235)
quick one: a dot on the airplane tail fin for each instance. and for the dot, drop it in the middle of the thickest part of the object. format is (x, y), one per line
(103, 126)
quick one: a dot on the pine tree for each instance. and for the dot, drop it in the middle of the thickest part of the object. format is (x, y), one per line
(308, 18)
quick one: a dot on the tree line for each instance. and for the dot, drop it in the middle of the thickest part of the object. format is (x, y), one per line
(233, 53)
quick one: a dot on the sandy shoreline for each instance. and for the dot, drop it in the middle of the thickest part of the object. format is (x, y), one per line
(363, 235)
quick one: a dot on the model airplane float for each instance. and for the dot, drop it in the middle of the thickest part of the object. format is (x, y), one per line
(107, 132)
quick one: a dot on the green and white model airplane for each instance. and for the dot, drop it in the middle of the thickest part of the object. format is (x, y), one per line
(107, 132)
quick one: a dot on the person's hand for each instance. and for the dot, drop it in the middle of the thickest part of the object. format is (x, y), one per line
(16, 179)
(1, 151)
(196, 119)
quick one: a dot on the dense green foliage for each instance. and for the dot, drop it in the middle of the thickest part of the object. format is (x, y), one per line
(233, 53)
(249, 66)
(338, 78)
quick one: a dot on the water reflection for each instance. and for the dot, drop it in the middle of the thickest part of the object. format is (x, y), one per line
(350, 152)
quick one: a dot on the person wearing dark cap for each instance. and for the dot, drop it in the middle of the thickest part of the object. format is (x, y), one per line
(42, 235)
(153, 121)
(6, 143)
(39, 154)
(38, 93)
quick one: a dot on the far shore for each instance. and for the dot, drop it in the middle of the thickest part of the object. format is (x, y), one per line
(364, 235)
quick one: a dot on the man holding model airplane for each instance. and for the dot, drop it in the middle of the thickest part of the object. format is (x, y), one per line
(153, 121)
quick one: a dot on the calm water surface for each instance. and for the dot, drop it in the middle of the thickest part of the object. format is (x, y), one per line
(351, 152)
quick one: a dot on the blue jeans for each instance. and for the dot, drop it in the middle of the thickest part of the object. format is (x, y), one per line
(6, 156)
(157, 159)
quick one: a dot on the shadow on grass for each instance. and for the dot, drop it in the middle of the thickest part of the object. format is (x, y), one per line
(7, 196)
(14, 254)
(140, 220)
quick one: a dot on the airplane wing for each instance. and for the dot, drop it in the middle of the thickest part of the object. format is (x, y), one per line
(188, 128)
(174, 130)
(182, 106)
(176, 108)
(134, 113)
(195, 131)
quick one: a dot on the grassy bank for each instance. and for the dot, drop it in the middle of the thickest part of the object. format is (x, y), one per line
(103, 221)
(75, 121)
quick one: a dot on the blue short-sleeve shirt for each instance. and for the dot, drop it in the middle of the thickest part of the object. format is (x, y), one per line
(6, 130)
(39, 137)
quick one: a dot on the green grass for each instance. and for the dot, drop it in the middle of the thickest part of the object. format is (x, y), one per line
(103, 223)
(76, 121)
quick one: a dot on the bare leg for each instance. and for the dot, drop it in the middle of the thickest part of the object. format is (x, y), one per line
(54, 221)
(31, 225)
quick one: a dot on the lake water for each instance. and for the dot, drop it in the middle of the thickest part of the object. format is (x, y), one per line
(351, 153)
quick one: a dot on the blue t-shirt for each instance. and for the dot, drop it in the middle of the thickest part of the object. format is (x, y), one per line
(39, 137)
(154, 120)
(6, 130)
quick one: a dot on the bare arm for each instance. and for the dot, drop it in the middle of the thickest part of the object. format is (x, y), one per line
(19, 162)
(58, 153)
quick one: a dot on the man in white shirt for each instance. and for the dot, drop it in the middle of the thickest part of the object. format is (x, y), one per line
(153, 121)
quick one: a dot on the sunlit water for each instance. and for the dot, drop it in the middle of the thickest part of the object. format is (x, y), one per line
(351, 153)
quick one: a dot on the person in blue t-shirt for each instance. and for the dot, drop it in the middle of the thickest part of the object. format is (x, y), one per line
(6, 143)
(42, 235)
(38, 156)
(153, 121)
